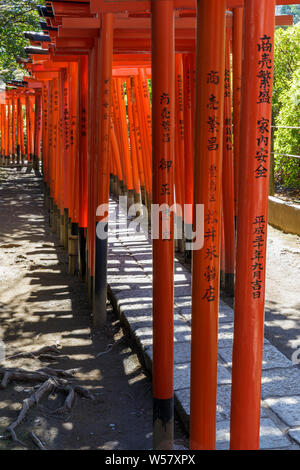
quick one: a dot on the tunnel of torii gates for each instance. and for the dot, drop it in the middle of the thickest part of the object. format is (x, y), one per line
(85, 116)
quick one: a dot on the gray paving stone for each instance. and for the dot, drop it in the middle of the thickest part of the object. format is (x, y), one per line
(225, 313)
(182, 278)
(140, 250)
(144, 336)
(143, 258)
(182, 332)
(127, 292)
(182, 289)
(295, 434)
(287, 408)
(134, 314)
(280, 382)
(186, 313)
(140, 281)
(182, 375)
(271, 437)
(125, 274)
(272, 358)
(223, 402)
(225, 337)
(185, 302)
(129, 273)
(138, 322)
(134, 304)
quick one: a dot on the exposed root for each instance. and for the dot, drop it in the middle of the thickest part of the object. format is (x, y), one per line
(37, 441)
(60, 372)
(46, 351)
(46, 387)
(9, 375)
(53, 380)
(108, 349)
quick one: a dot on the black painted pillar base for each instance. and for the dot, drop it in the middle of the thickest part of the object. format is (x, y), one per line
(90, 284)
(163, 423)
(66, 223)
(18, 149)
(81, 253)
(222, 279)
(229, 284)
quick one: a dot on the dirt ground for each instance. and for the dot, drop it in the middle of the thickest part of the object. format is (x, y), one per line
(282, 315)
(40, 304)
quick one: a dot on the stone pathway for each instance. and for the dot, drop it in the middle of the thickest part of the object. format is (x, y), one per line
(130, 281)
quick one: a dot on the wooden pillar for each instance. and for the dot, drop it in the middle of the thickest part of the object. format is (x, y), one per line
(163, 138)
(210, 66)
(228, 178)
(237, 46)
(252, 223)
(102, 194)
(37, 128)
(83, 163)
(13, 127)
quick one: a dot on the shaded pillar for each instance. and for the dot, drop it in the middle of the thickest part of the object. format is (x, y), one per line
(102, 191)
(163, 122)
(237, 46)
(210, 66)
(228, 178)
(252, 223)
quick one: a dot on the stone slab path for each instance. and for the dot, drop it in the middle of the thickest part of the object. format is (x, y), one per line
(130, 281)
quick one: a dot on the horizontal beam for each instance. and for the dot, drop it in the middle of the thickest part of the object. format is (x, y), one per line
(113, 6)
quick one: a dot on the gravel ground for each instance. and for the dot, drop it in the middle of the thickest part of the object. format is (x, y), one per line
(40, 304)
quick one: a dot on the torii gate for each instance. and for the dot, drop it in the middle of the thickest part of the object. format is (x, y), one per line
(251, 199)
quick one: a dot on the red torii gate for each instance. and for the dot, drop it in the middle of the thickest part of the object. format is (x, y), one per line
(251, 197)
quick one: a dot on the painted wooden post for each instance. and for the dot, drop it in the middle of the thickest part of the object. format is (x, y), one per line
(255, 140)
(210, 66)
(228, 178)
(102, 194)
(163, 110)
(237, 45)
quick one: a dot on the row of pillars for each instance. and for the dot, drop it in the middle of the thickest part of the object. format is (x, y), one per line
(85, 147)
(20, 118)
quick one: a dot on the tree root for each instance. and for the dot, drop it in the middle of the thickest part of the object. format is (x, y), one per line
(52, 380)
(10, 375)
(37, 441)
(46, 352)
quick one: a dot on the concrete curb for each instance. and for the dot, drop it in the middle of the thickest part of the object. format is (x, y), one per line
(284, 216)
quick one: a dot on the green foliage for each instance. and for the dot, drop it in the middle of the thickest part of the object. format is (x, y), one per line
(286, 61)
(290, 10)
(287, 169)
(16, 16)
(286, 100)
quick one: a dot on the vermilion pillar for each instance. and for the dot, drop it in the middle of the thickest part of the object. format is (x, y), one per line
(163, 119)
(237, 45)
(102, 190)
(188, 141)
(210, 67)
(13, 126)
(252, 223)
(83, 162)
(8, 154)
(19, 120)
(228, 178)
(37, 128)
